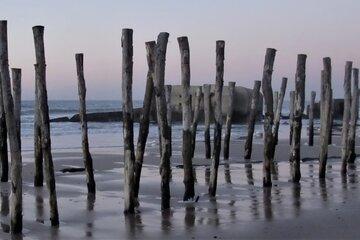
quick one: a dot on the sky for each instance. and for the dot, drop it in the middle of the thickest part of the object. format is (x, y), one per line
(321, 28)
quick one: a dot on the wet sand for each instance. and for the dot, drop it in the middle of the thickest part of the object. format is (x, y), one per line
(242, 209)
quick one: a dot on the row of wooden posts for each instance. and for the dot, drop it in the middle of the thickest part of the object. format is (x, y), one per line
(10, 108)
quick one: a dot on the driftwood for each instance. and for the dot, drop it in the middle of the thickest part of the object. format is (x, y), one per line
(15, 141)
(280, 100)
(311, 118)
(159, 78)
(354, 115)
(220, 52)
(72, 169)
(229, 120)
(291, 115)
(252, 119)
(345, 150)
(207, 111)
(4, 159)
(186, 110)
(269, 115)
(128, 130)
(40, 78)
(145, 116)
(168, 89)
(326, 99)
(196, 116)
(88, 162)
(298, 111)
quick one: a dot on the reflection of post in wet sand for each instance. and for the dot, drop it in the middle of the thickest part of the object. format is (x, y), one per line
(5, 207)
(352, 175)
(296, 198)
(166, 220)
(274, 170)
(227, 171)
(207, 175)
(133, 225)
(189, 216)
(39, 204)
(323, 189)
(89, 214)
(267, 203)
(249, 173)
(213, 213)
(254, 207)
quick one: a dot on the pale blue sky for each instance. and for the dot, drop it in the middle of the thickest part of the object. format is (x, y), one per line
(317, 28)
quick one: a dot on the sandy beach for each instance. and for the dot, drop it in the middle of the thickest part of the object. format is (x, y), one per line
(243, 209)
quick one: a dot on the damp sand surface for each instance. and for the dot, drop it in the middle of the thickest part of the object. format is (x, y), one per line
(243, 209)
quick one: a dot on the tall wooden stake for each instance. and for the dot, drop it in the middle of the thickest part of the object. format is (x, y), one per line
(354, 115)
(229, 120)
(276, 101)
(186, 115)
(15, 145)
(16, 85)
(298, 111)
(159, 78)
(278, 110)
(88, 162)
(3, 141)
(40, 78)
(252, 119)
(38, 152)
(345, 150)
(145, 116)
(326, 100)
(269, 115)
(128, 130)
(207, 111)
(311, 118)
(168, 89)
(331, 119)
(291, 115)
(220, 52)
(198, 97)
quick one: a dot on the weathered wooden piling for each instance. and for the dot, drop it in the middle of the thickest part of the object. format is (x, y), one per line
(16, 86)
(15, 145)
(279, 105)
(196, 116)
(207, 113)
(331, 119)
(326, 99)
(128, 130)
(345, 150)
(252, 119)
(291, 115)
(40, 78)
(311, 118)
(269, 115)
(220, 52)
(145, 116)
(276, 101)
(88, 161)
(168, 89)
(298, 111)
(159, 78)
(38, 152)
(3, 141)
(186, 115)
(354, 115)
(229, 120)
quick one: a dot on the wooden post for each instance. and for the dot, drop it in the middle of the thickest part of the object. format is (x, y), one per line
(278, 110)
(186, 115)
(16, 85)
(229, 119)
(198, 97)
(298, 111)
(145, 117)
(40, 78)
(88, 162)
(15, 145)
(269, 115)
(159, 78)
(354, 115)
(345, 150)
(38, 153)
(326, 99)
(276, 101)
(207, 111)
(128, 130)
(252, 119)
(168, 89)
(311, 118)
(220, 52)
(3, 141)
(291, 115)
(331, 119)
